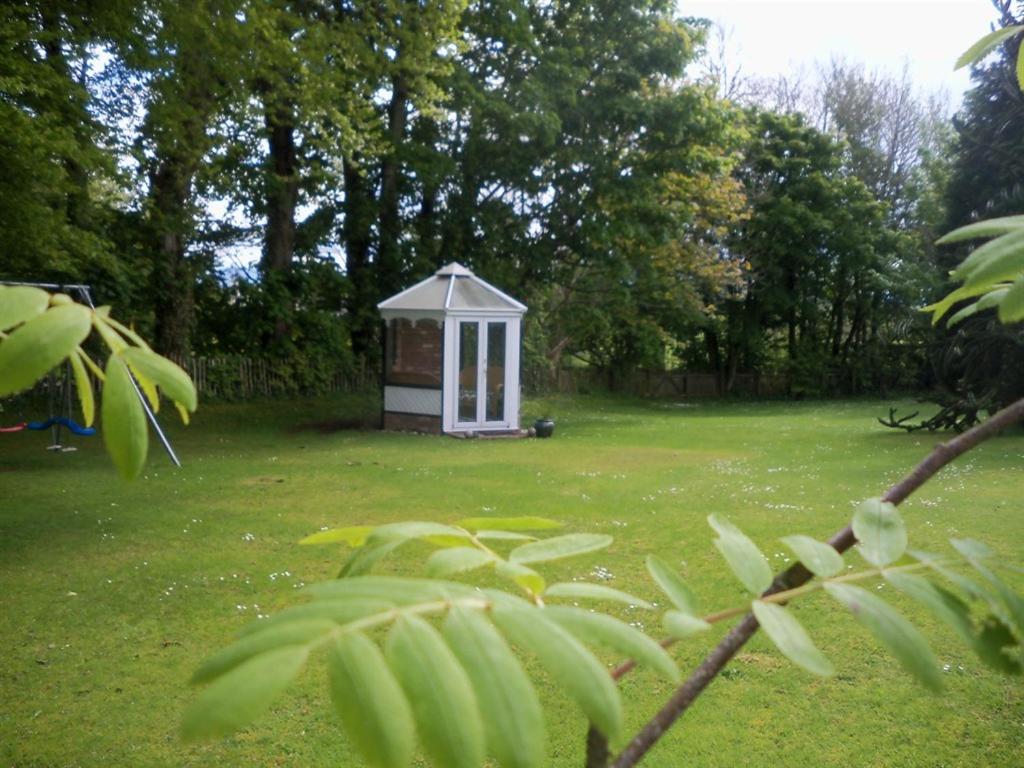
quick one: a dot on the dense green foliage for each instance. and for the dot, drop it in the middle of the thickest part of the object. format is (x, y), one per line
(565, 151)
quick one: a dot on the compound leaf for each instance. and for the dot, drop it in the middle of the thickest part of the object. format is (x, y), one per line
(791, 638)
(614, 635)
(443, 704)
(567, 661)
(353, 535)
(509, 524)
(744, 558)
(682, 625)
(20, 303)
(586, 591)
(32, 349)
(370, 702)
(559, 547)
(672, 584)
(895, 632)
(445, 562)
(240, 696)
(512, 715)
(297, 632)
(817, 556)
(124, 422)
(880, 532)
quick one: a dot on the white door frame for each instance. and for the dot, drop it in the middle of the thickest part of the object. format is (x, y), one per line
(510, 417)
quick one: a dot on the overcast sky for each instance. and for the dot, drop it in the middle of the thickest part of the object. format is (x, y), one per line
(769, 37)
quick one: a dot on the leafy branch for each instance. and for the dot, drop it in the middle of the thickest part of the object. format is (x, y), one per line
(433, 659)
(40, 330)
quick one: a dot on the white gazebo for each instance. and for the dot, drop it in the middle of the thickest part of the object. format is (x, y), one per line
(451, 356)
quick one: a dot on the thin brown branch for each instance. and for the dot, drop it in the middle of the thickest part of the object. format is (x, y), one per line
(796, 575)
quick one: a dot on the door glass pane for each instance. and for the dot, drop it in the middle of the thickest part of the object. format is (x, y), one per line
(467, 371)
(495, 371)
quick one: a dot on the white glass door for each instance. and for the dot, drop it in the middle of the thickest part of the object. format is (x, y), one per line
(480, 353)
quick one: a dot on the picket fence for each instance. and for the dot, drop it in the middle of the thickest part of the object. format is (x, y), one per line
(238, 378)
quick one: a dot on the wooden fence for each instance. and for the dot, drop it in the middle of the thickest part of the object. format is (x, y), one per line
(663, 384)
(238, 378)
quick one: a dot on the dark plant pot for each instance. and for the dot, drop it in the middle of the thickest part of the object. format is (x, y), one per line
(544, 427)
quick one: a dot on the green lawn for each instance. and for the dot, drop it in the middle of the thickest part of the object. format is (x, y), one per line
(113, 592)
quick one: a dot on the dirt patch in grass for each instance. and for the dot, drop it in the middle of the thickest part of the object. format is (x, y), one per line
(362, 423)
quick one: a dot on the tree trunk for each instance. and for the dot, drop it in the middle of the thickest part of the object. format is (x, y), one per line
(389, 253)
(172, 279)
(359, 207)
(282, 191)
(180, 145)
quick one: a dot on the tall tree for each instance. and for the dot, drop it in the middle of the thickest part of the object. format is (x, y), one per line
(820, 257)
(52, 164)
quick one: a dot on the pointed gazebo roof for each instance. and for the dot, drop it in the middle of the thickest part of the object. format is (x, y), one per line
(452, 287)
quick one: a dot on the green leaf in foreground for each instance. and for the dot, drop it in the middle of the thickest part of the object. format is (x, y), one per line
(504, 536)
(974, 552)
(986, 44)
(370, 702)
(237, 698)
(445, 562)
(509, 524)
(397, 589)
(1003, 260)
(31, 350)
(671, 584)
(20, 303)
(444, 535)
(817, 556)
(512, 715)
(791, 638)
(1011, 305)
(169, 376)
(443, 704)
(744, 558)
(881, 535)
(527, 578)
(124, 422)
(83, 386)
(586, 591)
(681, 625)
(336, 611)
(1020, 68)
(952, 610)
(558, 547)
(298, 632)
(988, 301)
(980, 229)
(895, 632)
(567, 661)
(616, 635)
(364, 558)
(353, 535)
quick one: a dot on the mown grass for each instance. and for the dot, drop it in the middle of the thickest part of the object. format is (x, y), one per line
(112, 593)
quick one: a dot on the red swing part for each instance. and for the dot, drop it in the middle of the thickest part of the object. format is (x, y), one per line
(14, 428)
